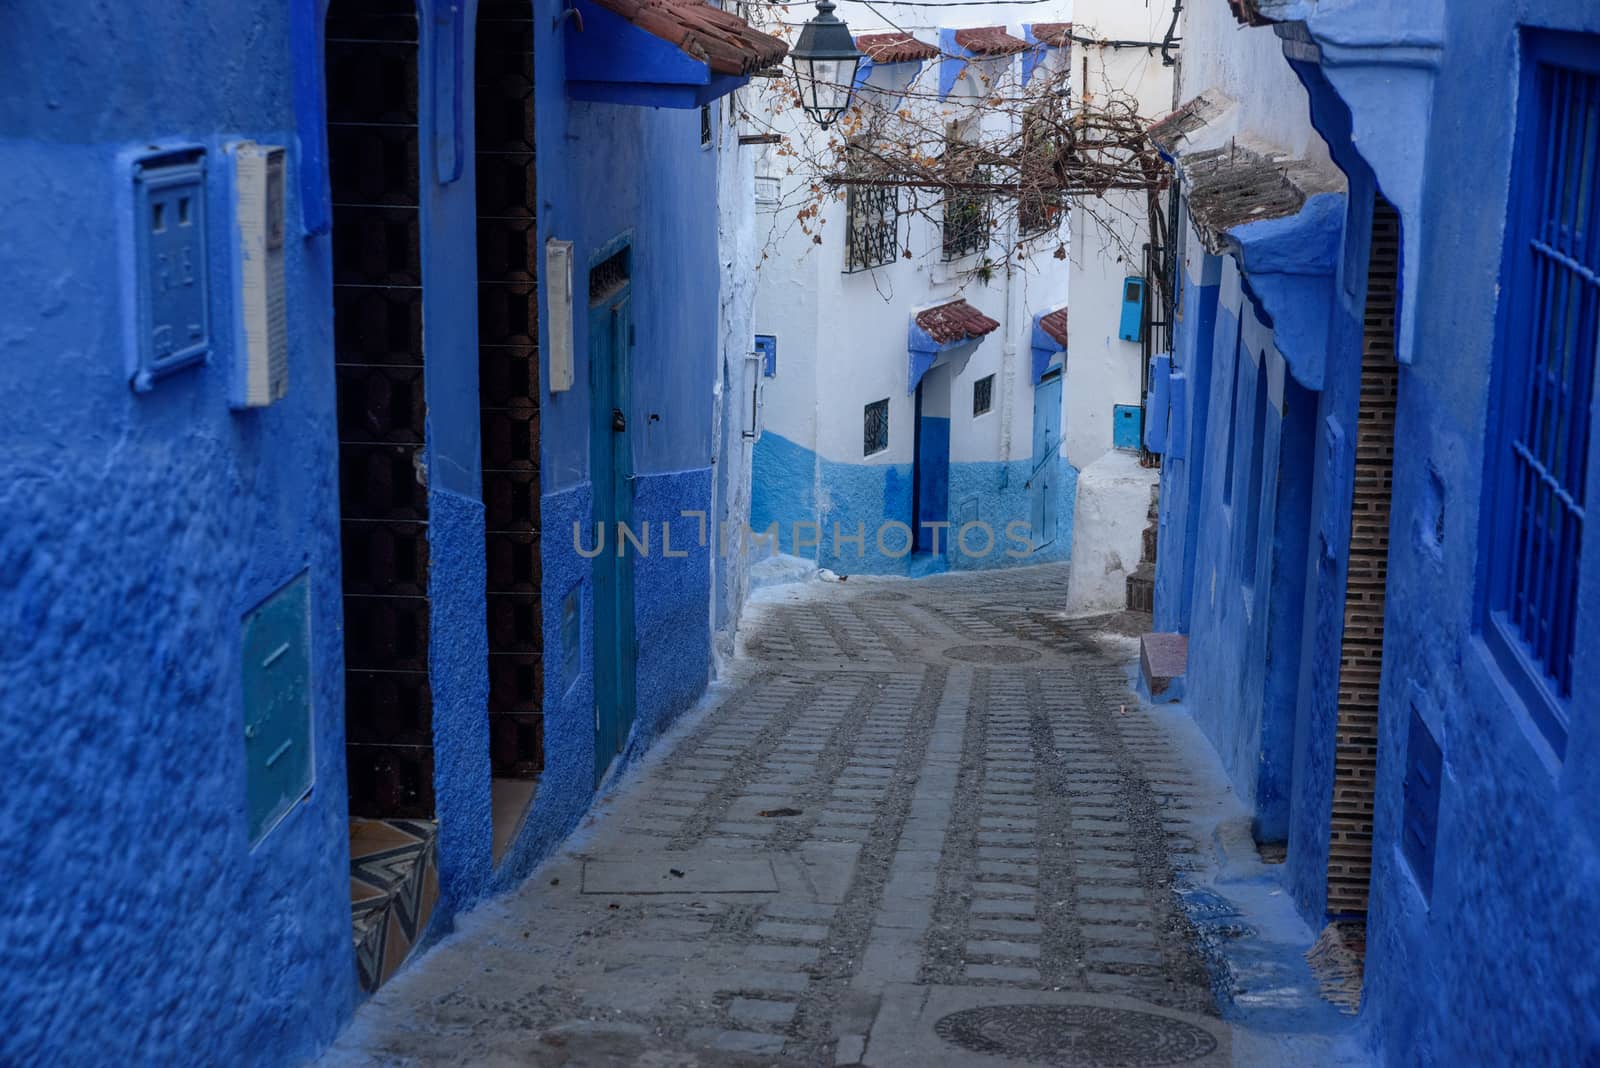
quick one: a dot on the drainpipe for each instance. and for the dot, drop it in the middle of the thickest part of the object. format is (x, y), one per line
(1008, 367)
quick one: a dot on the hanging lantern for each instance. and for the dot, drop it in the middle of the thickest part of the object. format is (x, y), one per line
(825, 61)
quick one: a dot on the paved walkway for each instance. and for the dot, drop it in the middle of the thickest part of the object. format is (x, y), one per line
(917, 823)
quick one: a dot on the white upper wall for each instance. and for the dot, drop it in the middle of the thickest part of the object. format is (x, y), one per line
(1247, 64)
(842, 338)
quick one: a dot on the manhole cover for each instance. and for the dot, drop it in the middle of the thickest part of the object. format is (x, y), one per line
(991, 654)
(1071, 1035)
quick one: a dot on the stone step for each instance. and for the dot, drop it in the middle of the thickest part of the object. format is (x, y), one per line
(1163, 662)
(1151, 537)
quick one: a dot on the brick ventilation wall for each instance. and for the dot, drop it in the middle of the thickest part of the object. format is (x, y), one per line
(1361, 658)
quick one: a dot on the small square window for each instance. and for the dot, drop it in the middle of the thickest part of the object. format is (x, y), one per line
(983, 395)
(707, 126)
(875, 431)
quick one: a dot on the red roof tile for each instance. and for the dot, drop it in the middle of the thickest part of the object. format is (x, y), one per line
(1055, 324)
(1248, 13)
(1054, 34)
(722, 40)
(956, 321)
(894, 48)
(990, 41)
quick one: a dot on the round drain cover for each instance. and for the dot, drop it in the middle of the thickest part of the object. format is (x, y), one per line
(1073, 1035)
(991, 654)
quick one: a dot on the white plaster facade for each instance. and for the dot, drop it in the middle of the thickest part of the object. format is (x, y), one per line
(842, 336)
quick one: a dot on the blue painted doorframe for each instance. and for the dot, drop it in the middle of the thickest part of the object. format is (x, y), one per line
(611, 468)
(1046, 444)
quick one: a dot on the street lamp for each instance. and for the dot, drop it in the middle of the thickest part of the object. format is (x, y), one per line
(825, 60)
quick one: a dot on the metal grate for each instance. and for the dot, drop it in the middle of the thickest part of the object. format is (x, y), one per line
(966, 224)
(872, 238)
(1546, 368)
(508, 386)
(377, 322)
(983, 395)
(875, 429)
(1361, 653)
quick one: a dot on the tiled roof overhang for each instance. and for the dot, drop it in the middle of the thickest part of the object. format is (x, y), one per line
(987, 41)
(1280, 218)
(1054, 324)
(886, 48)
(1053, 34)
(720, 39)
(955, 322)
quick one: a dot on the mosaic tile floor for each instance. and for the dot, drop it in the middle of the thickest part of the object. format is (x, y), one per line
(394, 883)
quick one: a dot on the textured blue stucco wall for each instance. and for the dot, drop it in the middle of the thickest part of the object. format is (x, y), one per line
(1181, 475)
(1501, 964)
(671, 605)
(790, 479)
(138, 529)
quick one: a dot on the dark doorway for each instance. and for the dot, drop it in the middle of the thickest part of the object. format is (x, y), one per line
(383, 491)
(508, 390)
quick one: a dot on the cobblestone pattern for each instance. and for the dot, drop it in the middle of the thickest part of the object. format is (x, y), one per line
(929, 819)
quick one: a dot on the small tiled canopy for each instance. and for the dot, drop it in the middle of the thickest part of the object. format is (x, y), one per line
(990, 41)
(955, 321)
(894, 48)
(1054, 34)
(1054, 324)
(723, 41)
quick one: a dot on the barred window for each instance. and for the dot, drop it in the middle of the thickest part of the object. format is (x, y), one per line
(1544, 379)
(1040, 205)
(983, 395)
(966, 210)
(875, 432)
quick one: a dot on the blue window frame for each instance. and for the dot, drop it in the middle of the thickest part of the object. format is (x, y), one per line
(1544, 377)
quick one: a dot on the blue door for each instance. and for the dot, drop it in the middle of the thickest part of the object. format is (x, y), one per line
(931, 486)
(611, 470)
(1046, 445)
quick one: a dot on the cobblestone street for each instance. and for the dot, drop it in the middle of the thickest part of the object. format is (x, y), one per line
(905, 806)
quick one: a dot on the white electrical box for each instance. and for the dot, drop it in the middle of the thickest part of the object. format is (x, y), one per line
(558, 296)
(261, 343)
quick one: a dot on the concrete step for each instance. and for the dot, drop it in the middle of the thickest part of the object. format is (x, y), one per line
(1163, 662)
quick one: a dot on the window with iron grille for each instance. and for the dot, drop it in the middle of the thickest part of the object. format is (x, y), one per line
(966, 210)
(872, 237)
(1544, 378)
(875, 429)
(1039, 204)
(983, 395)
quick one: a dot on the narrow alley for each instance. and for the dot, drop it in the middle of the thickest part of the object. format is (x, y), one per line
(916, 823)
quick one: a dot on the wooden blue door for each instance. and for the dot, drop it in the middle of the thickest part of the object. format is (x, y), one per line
(611, 471)
(931, 475)
(1046, 444)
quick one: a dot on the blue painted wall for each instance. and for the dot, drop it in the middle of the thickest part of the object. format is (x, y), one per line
(1514, 905)
(141, 527)
(796, 490)
(1499, 963)
(138, 530)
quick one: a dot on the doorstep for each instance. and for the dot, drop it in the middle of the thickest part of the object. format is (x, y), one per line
(394, 884)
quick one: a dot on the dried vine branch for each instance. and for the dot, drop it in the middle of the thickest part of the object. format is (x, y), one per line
(1012, 157)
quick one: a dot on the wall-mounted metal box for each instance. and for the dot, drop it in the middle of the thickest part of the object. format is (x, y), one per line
(1132, 327)
(260, 373)
(277, 705)
(170, 299)
(1127, 426)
